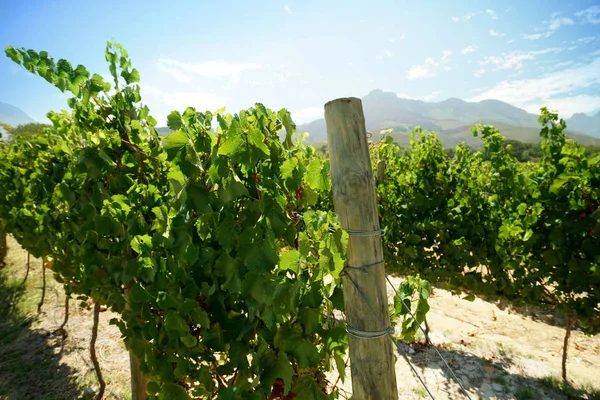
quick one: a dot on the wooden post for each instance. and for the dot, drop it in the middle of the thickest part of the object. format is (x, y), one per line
(139, 382)
(3, 245)
(355, 202)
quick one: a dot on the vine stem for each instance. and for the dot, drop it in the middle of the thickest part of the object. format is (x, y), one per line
(41, 303)
(62, 329)
(571, 320)
(93, 352)
(28, 266)
(339, 376)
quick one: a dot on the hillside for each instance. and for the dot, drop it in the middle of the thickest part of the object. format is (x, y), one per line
(451, 119)
(585, 124)
(13, 116)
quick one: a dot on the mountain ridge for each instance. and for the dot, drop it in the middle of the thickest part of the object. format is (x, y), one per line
(13, 116)
(451, 119)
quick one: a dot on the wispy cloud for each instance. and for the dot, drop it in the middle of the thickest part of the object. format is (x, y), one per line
(553, 89)
(162, 102)
(491, 13)
(469, 49)
(534, 36)
(425, 70)
(550, 26)
(511, 41)
(515, 59)
(470, 15)
(479, 72)
(498, 34)
(590, 15)
(446, 55)
(430, 66)
(556, 21)
(585, 40)
(308, 114)
(210, 69)
(260, 83)
(394, 40)
(466, 17)
(287, 9)
(385, 54)
(427, 97)
(175, 73)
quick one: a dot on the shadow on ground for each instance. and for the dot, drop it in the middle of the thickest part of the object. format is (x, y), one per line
(488, 379)
(30, 366)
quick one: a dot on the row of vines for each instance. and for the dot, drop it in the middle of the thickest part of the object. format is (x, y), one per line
(218, 247)
(485, 223)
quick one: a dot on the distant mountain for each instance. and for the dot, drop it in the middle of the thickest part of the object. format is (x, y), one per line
(451, 119)
(164, 131)
(13, 116)
(585, 124)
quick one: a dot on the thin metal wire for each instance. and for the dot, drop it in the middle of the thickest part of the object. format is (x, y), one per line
(352, 232)
(368, 334)
(429, 340)
(390, 336)
(364, 268)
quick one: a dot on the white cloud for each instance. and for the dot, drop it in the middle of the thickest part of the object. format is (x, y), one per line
(385, 54)
(428, 97)
(425, 70)
(554, 89)
(494, 33)
(515, 59)
(448, 68)
(211, 69)
(550, 26)
(510, 41)
(161, 102)
(534, 36)
(469, 49)
(261, 83)
(175, 73)
(446, 55)
(556, 21)
(467, 16)
(479, 72)
(402, 36)
(585, 40)
(491, 13)
(308, 114)
(285, 75)
(287, 9)
(590, 15)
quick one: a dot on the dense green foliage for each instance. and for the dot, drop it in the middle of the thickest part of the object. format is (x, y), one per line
(486, 223)
(219, 251)
(218, 248)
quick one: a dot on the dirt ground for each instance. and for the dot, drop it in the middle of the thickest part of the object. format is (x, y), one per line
(497, 353)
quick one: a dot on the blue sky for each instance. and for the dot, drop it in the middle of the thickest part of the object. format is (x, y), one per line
(301, 54)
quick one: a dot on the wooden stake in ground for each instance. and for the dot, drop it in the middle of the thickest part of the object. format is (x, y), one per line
(139, 382)
(3, 245)
(41, 303)
(355, 202)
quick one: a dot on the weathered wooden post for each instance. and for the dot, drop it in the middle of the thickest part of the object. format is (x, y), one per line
(355, 202)
(139, 382)
(3, 245)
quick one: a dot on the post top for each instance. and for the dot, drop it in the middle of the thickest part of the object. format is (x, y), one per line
(342, 100)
